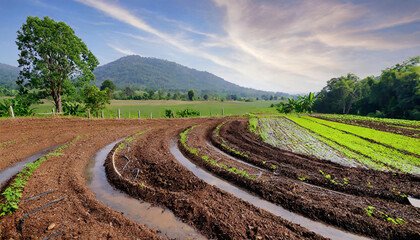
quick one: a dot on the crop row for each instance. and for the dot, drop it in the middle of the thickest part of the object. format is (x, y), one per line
(394, 140)
(224, 143)
(13, 193)
(285, 134)
(208, 159)
(384, 120)
(373, 152)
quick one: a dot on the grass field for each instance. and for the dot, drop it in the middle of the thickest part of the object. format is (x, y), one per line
(129, 108)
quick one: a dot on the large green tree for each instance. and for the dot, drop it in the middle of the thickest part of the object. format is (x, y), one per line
(52, 58)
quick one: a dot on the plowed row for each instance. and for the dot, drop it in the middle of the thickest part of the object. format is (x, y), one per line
(162, 180)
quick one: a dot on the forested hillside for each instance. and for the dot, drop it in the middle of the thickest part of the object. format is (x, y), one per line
(8, 75)
(394, 94)
(152, 73)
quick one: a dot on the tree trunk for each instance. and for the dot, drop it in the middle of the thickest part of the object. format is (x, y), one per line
(344, 106)
(57, 101)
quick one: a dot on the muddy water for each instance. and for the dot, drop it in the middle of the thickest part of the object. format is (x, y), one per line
(414, 201)
(139, 211)
(317, 227)
(7, 173)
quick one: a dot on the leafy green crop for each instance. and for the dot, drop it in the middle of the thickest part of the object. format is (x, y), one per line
(371, 154)
(208, 159)
(13, 193)
(394, 140)
(384, 120)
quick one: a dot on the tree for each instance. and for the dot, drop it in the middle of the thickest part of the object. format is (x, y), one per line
(109, 87)
(191, 94)
(51, 57)
(94, 98)
(128, 92)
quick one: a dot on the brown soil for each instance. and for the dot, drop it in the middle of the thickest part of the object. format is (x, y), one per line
(334, 209)
(381, 126)
(217, 214)
(79, 215)
(166, 182)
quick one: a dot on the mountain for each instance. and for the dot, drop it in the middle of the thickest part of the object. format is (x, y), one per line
(8, 74)
(155, 73)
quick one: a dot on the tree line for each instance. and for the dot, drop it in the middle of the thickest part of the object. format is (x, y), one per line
(393, 94)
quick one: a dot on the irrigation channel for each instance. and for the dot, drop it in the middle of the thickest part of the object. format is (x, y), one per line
(317, 227)
(139, 211)
(8, 173)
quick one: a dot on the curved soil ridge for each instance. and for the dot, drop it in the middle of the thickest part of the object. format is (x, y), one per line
(340, 210)
(164, 181)
(362, 182)
(78, 214)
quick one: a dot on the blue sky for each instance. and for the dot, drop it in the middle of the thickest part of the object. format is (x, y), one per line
(289, 46)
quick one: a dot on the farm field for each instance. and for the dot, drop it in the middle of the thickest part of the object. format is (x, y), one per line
(270, 178)
(130, 108)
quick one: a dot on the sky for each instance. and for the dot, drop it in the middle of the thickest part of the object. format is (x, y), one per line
(274, 45)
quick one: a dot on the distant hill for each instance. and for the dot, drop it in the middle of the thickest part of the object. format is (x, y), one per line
(156, 73)
(8, 74)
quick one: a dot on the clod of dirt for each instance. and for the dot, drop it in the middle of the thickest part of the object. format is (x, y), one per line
(51, 226)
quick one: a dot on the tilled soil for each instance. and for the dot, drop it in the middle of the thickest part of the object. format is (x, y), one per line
(345, 211)
(79, 214)
(215, 213)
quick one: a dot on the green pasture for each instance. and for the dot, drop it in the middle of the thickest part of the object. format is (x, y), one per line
(130, 108)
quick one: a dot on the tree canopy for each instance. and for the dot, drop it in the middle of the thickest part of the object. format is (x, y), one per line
(395, 93)
(52, 58)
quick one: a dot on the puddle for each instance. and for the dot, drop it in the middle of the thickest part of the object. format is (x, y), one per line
(414, 201)
(317, 227)
(139, 211)
(7, 173)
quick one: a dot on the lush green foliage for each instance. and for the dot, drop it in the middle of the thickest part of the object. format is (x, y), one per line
(301, 105)
(95, 99)
(169, 113)
(253, 124)
(191, 94)
(109, 87)
(52, 58)
(21, 106)
(188, 112)
(395, 93)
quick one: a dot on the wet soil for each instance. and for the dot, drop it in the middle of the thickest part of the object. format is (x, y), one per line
(215, 213)
(381, 126)
(79, 214)
(345, 210)
(163, 181)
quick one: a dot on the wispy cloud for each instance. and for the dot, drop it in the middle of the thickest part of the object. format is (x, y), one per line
(292, 46)
(123, 51)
